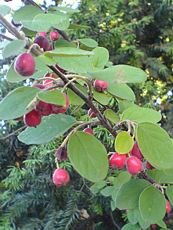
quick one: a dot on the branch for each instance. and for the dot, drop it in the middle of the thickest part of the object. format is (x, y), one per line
(5, 37)
(13, 133)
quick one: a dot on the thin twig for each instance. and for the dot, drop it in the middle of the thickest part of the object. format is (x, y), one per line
(114, 223)
(13, 133)
(5, 37)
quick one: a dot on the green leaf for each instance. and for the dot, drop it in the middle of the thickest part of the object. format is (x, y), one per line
(88, 42)
(132, 216)
(68, 10)
(102, 98)
(129, 193)
(120, 74)
(169, 193)
(122, 91)
(152, 204)
(130, 227)
(4, 10)
(124, 104)
(88, 156)
(143, 223)
(123, 142)
(15, 103)
(107, 191)
(155, 145)
(95, 188)
(52, 96)
(13, 48)
(138, 114)
(13, 76)
(68, 51)
(43, 22)
(51, 127)
(161, 176)
(63, 43)
(161, 224)
(111, 115)
(25, 15)
(100, 57)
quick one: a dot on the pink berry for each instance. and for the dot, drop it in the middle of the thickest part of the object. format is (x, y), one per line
(54, 36)
(44, 108)
(32, 119)
(136, 151)
(117, 160)
(48, 82)
(43, 34)
(42, 42)
(25, 64)
(60, 177)
(168, 207)
(134, 165)
(91, 113)
(100, 85)
(88, 130)
(56, 109)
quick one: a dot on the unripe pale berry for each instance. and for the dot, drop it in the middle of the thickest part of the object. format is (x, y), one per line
(25, 64)
(117, 160)
(60, 177)
(136, 151)
(88, 130)
(32, 119)
(44, 108)
(168, 207)
(100, 85)
(134, 165)
(56, 109)
(42, 42)
(54, 36)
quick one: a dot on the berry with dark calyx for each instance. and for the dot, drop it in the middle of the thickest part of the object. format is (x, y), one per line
(42, 42)
(88, 130)
(117, 160)
(25, 64)
(100, 85)
(54, 36)
(44, 108)
(60, 177)
(56, 109)
(168, 207)
(48, 82)
(91, 113)
(134, 165)
(149, 166)
(61, 153)
(136, 151)
(43, 34)
(153, 227)
(32, 119)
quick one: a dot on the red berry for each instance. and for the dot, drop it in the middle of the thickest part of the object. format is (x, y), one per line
(91, 113)
(153, 227)
(32, 118)
(100, 85)
(38, 86)
(61, 109)
(25, 64)
(117, 160)
(44, 108)
(54, 36)
(134, 165)
(42, 42)
(48, 82)
(136, 151)
(88, 130)
(43, 34)
(60, 177)
(168, 207)
(149, 166)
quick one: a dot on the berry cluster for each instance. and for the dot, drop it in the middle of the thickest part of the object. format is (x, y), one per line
(134, 161)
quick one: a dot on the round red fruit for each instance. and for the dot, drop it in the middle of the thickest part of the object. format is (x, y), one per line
(100, 85)
(25, 64)
(44, 108)
(32, 118)
(54, 36)
(136, 151)
(168, 207)
(91, 113)
(134, 165)
(60, 177)
(117, 160)
(88, 130)
(56, 109)
(42, 42)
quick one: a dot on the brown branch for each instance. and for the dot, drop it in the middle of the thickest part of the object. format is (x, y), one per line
(5, 37)
(13, 133)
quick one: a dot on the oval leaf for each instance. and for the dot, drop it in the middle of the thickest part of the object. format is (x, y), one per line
(88, 42)
(52, 96)
(123, 142)
(13, 48)
(15, 103)
(138, 114)
(100, 57)
(88, 156)
(169, 193)
(131, 227)
(161, 176)
(51, 126)
(68, 51)
(4, 10)
(122, 91)
(155, 145)
(152, 205)
(13, 76)
(111, 115)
